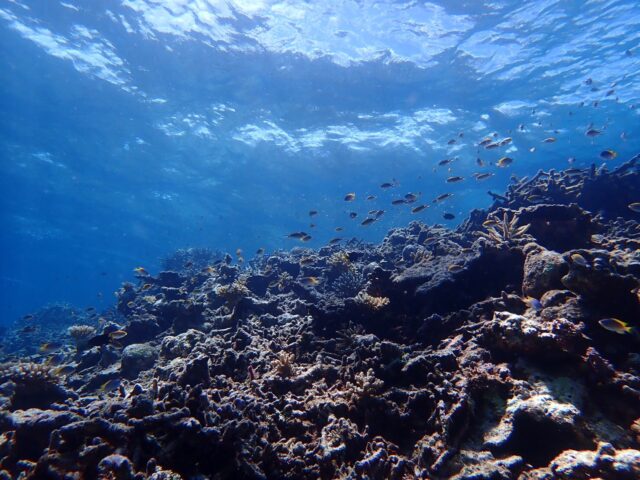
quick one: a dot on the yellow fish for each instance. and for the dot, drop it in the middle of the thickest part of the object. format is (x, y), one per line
(117, 335)
(608, 154)
(140, 271)
(504, 161)
(615, 325)
(310, 281)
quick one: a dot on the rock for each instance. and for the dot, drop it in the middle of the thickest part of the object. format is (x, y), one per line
(543, 271)
(180, 345)
(196, 372)
(117, 467)
(605, 462)
(533, 336)
(142, 329)
(539, 423)
(137, 357)
(32, 428)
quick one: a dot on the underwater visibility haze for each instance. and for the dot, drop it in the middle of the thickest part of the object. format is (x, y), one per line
(333, 239)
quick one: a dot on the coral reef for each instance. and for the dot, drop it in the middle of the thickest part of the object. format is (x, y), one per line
(474, 353)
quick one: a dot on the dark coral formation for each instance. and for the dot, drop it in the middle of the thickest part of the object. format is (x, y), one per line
(420, 357)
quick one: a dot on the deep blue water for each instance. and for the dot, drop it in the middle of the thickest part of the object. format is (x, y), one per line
(129, 129)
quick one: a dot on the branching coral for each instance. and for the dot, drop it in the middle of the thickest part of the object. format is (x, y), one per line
(348, 284)
(505, 230)
(81, 334)
(233, 292)
(35, 385)
(372, 302)
(340, 261)
(284, 364)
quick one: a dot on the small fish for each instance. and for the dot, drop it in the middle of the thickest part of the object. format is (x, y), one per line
(504, 161)
(367, 221)
(90, 309)
(371, 197)
(208, 269)
(429, 241)
(117, 335)
(455, 268)
(592, 132)
(312, 281)
(533, 303)
(140, 271)
(353, 214)
(479, 162)
(534, 198)
(307, 260)
(313, 213)
(635, 207)
(451, 142)
(505, 141)
(398, 201)
(65, 370)
(442, 197)
(491, 146)
(312, 225)
(623, 136)
(419, 208)
(110, 385)
(485, 141)
(579, 260)
(482, 176)
(615, 325)
(467, 251)
(338, 229)
(608, 154)
(448, 216)
(386, 185)
(26, 318)
(411, 197)
(306, 238)
(28, 329)
(350, 197)
(260, 252)
(379, 213)
(455, 179)
(532, 149)
(335, 240)
(131, 304)
(297, 235)
(445, 161)
(571, 160)
(47, 347)
(146, 286)
(549, 140)
(55, 359)
(588, 81)
(238, 252)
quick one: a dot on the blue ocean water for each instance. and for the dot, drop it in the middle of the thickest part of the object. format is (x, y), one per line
(130, 129)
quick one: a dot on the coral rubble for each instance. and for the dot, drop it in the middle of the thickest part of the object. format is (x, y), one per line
(473, 353)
